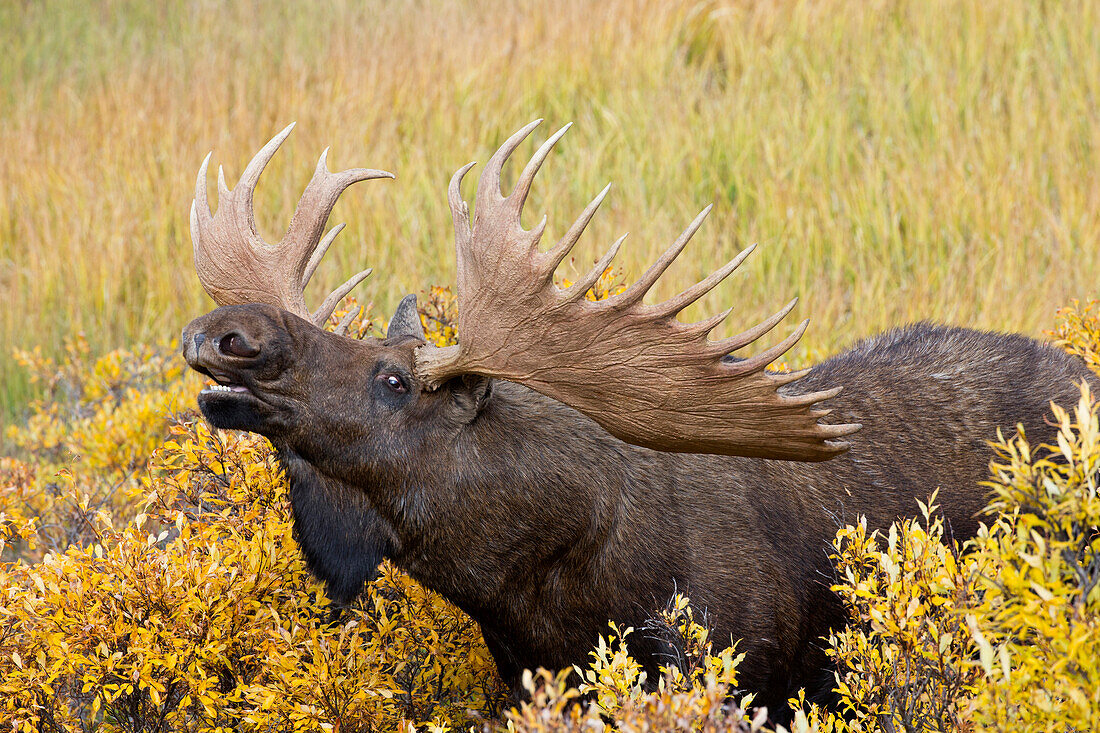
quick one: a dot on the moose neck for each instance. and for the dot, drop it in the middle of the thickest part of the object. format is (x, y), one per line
(530, 499)
(343, 538)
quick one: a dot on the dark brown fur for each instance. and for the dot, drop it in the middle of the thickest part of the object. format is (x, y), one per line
(543, 527)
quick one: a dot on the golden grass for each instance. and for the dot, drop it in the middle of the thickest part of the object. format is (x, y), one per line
(896, 160)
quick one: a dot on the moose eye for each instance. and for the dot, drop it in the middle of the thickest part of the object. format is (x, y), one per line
(233, 345)
(394, 382)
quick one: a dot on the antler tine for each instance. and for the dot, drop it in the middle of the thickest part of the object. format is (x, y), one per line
(523, 185)
(342, 326)
(319, 252)
(746, 337)
(553, 257)
(641, 286)
(661, 383)
(460, 210)
(703, 328)
(677, 303)
(251, 175)
(767, 356)
(328, 305)
(582, 286)
(223, 187)
(201, 216)
(236, 266)
(488, 187)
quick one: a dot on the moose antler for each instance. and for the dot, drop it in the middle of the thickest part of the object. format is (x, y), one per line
(645, 377)
(234, 263)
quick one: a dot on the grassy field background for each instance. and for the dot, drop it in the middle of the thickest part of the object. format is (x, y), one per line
(895, 160)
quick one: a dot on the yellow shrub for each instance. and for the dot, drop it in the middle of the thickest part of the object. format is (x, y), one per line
(904, 660)
(108, 411)
(87, 443)
(692, 695)
(1038, 627)
(1078, 331)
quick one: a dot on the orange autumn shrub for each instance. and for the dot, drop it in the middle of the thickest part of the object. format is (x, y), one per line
(693, 694)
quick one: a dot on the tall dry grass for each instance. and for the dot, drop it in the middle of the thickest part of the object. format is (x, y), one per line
(896, 160)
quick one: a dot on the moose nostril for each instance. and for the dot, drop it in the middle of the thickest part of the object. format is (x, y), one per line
(199, 338)
(233, 344)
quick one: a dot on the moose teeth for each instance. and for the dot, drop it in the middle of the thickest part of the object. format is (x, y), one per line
(224, 388)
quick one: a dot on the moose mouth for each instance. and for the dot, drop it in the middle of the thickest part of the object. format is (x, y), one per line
(223, 383)
(229, 405)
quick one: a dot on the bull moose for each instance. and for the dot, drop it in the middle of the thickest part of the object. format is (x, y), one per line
(572, 462)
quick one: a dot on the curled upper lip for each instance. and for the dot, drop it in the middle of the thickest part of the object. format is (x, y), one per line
(216, 374)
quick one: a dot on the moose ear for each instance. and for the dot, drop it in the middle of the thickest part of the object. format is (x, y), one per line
(406, 321)
(471, 392)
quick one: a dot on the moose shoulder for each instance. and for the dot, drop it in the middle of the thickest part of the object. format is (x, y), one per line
(542, 508)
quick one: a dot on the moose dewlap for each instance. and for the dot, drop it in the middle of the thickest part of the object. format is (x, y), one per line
(573, 462)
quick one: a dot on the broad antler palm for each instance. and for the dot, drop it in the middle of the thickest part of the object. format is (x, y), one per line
(647, 378)
(234, 263)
